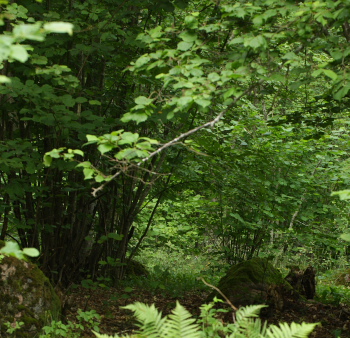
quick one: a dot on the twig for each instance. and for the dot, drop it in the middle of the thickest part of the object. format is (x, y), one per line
(210, 124)
(215, 288)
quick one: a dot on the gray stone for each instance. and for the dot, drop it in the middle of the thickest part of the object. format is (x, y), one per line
(27, 296)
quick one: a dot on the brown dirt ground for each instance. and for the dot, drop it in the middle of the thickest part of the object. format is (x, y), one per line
(107, 303)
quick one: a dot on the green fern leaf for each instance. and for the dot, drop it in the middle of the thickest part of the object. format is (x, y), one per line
(181, 324)
(293, 330)
(248, 312)
(151, 323)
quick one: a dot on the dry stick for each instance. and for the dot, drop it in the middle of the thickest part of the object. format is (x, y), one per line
(176, 139)
(227, 300)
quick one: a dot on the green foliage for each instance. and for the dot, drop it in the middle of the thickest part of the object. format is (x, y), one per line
(175, 272)
(12, 249)
(12, 329)
(223, 125)
(11, 43)
(88, 320)
(181, 324)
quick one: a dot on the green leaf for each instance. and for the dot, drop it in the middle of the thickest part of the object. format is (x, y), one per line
(68, 100)
(32, 252)
(18, 53)
(202, 102)
(59, 27)
(255, 42)
(142, 100)
(343, 194)
(105, 147)
(88, 173)
(341, 92)
(47, 160)
(95, 102)
(345, 237)
(137, 117)
(92, 138)
(4, 79)
(184, 45)
(115, 236)
(330, 74)
(188, 36)
(128, 138)
(214, 77)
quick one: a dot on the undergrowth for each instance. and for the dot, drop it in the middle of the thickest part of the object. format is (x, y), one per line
(175, 273)
(181, 324)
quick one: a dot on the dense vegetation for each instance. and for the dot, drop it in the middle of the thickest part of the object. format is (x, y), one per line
(215, 129)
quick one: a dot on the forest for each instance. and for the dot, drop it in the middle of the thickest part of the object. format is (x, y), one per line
(148, 146)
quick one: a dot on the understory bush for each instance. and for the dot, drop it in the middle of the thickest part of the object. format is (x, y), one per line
(175, 272)
(181, 324)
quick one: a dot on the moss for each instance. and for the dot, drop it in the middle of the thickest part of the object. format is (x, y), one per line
(251, 282)
(135, 268)
(27, 295)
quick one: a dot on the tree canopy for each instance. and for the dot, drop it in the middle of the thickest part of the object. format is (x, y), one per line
(218, 126)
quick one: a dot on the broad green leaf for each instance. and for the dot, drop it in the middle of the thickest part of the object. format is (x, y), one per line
(47, 160)
(343, 194)
(128, 138)
(341, 92)
(94, 102)
(214, 77)
(115, 236)
(255, 42)
(28, 31)
(142, 60)
(59, 27)
(4, 79)
(92, 138)
(105, 147)
(32, 252)
(184, 45)
(188, 36)
(18, 53)
(330, 74)
(345, 237)
(137, 117)
(68, 100)
(202, 102)
(191, 21)
(142, 100)
(184, 101)
(12, 249)
(88, 173)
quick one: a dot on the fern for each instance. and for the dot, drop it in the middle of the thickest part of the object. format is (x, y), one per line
(151, 323)
(293, 330)
(180, 324)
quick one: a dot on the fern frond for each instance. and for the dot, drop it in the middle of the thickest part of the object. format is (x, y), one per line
(180, 324)
(248, 312)
(250, 328)
(293, 330)
(151, 323)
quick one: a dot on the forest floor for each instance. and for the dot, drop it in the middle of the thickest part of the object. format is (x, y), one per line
(334, 320)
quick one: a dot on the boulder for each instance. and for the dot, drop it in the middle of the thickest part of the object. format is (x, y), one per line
(26, 296)
(254, 281)
(135, 268)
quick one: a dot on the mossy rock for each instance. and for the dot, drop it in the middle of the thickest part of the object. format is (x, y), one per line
(135, 268)
(27, 296)
(254, 281)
